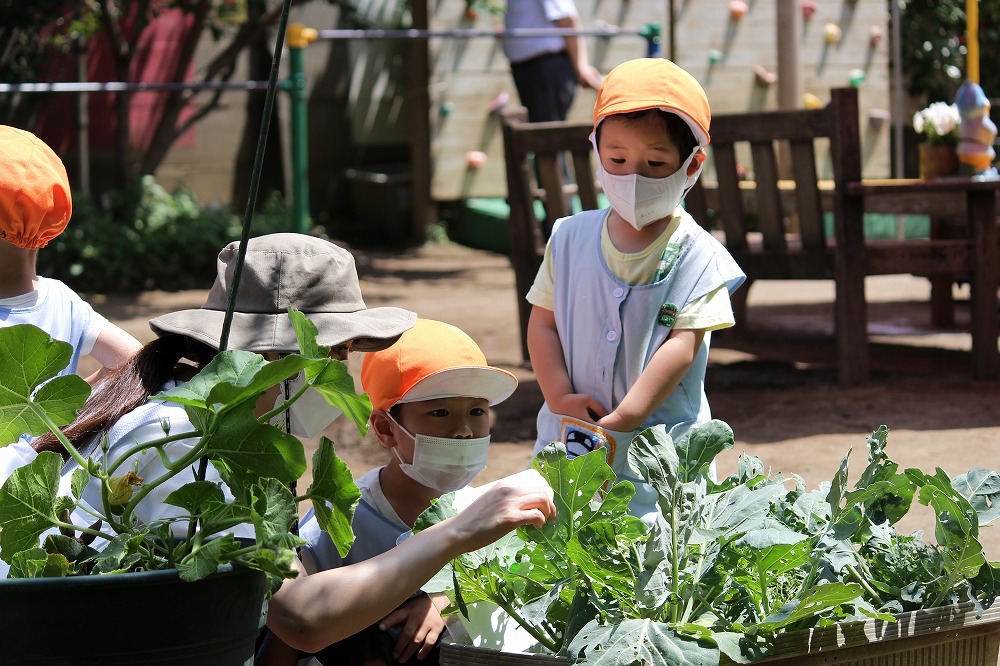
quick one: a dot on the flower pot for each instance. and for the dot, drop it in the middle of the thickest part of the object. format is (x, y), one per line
(134, 618)
(947, 636)
(937, 161)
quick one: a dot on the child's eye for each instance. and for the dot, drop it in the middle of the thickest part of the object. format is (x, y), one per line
(439, 413)
(477, 411)
(617, 160)
(657, 165)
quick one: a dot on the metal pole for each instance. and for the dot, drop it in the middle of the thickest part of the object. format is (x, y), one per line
(299, 38)
(82, 121)
(897, 91)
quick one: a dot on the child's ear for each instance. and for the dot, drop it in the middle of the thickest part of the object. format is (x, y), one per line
(382, 427)
(699, 159)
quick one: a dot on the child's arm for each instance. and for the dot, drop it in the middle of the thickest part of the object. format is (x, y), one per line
(546, 352)
(422, 626)
(311, 612)
(112, 348)
(658, 380)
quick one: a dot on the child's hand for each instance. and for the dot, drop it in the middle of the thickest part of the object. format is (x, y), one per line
(582, 406)
(422, 627)
(615, 421)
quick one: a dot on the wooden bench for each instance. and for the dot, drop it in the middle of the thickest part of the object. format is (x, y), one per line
(779, 242)
(542, 158)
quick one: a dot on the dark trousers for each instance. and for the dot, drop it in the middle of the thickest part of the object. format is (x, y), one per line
(546, 85)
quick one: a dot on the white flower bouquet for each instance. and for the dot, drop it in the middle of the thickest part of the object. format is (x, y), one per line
(939, 123)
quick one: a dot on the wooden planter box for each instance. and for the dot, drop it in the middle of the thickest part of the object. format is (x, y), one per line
(948, 636)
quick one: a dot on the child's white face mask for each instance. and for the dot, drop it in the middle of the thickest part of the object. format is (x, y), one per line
(639, 200)
(443, 463)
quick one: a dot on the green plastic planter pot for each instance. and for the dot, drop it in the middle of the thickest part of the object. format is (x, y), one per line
(134, 618)
(947, 636)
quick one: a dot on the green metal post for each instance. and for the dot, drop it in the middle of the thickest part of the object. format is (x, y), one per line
(298, 38)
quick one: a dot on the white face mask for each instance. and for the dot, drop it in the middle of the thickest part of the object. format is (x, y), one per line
(639, 200)
(443, 463)
(310, 414)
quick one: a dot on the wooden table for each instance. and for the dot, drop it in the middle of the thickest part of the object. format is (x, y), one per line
(975, 200)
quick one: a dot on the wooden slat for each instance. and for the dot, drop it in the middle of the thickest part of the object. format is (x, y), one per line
(771, 215)
(731, 217)
(807, 196)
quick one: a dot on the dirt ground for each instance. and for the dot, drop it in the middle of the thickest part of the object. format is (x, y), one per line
(776, 386)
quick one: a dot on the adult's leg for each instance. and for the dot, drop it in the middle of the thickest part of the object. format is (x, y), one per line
(546, 86)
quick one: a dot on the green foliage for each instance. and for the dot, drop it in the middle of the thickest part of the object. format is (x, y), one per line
(49, 530)
(150, 239)
(934, 47)
(726, 566)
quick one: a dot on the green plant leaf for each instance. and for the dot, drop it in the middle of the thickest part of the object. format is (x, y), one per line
(812, 603)
(305, 333)
(981, 487)
(274, 512)
(698, 447)
(640, 642)
(204, 560)
(245, 451)
(334, 495)
(27, 503)
(334, 382)
(29, 357)
(195, 496)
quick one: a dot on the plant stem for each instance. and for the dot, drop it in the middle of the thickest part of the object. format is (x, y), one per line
(860, 580)
(546, 641)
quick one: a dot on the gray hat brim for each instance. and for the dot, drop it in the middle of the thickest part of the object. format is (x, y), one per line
(371, 329)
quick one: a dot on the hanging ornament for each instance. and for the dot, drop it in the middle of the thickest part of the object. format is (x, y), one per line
(499, 102)
(875, 35)
(738, 9)
(810, 101)
(475, 159)
(809, 8)
(877, 118)
(714, 57)
(831, 33)
(857, 77)
(763, 76)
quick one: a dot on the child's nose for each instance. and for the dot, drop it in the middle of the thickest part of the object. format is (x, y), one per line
(463, 430)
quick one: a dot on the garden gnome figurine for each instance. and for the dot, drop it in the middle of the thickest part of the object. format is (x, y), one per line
(976, 131)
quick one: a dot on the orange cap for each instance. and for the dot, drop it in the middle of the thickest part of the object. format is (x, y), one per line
(35, 199)
(429, 361)
(655, 83)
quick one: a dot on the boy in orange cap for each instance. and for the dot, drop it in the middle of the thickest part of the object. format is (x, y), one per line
(431, 395)
(626, 297)
(35, 206)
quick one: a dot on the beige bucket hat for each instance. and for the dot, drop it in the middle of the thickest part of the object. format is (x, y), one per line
(281, 271)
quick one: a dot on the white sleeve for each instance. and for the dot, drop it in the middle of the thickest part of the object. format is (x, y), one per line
(94, 328)
(559, 9)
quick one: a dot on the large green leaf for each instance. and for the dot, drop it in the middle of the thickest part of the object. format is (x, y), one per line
(336, 385)
(811, 604)
(640, 642)
(981, 487)
(250, 451)
(27, 503)
(29, 357)
(334, 495)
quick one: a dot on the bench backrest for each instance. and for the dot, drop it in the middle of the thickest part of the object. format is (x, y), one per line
(548, 162)
(816, 144)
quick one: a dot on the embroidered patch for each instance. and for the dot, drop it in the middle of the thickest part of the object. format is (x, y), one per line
(668, 315)
(667, 261)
